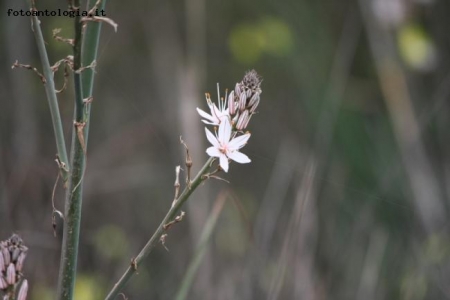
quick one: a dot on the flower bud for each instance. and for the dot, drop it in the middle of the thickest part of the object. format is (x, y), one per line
(15, 254)
(11, 274)
(6, 256)
(3, 283)
(253, 99)
(242, 120)
(247, 120)
(242, 101)
(2, 263)
(237, 90)
(231, 103)
(23, 291)
(254, 106)
(20, 260)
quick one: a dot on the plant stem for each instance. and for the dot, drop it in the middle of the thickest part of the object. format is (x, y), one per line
(136, 262)
(85, 51)
(51, 97)
(200, 251)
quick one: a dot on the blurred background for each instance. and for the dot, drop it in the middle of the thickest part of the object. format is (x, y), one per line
(347, 195)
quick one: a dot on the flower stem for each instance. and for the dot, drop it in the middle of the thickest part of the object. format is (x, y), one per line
(51, 96)
(188, 190)
(85, 51)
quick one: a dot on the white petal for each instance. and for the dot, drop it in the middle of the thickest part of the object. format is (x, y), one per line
(213, 152)
(224, 131)
(239, 142)
(211, 138)
(239, 157)
(205, 115)
(224, 162)
(209, 123)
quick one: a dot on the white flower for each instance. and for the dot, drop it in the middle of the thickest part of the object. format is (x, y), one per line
(217, 113)
(225, 147)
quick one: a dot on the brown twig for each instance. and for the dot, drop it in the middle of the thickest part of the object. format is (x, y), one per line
(29, 67)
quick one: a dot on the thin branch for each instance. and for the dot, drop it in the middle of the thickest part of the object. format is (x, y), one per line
(156, 237)
(51, 94)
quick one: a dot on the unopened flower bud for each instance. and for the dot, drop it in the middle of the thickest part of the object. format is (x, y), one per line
(6, 256)
(242, 101)
(23, 291)
(247, 120)
(15, 254)
(3, 283)
(11, 274)
(2, 263)
(253, 99)
(237, 90)
(231, 103)
(235, 119)
(20, 260)
(242, 120)
(254, 106)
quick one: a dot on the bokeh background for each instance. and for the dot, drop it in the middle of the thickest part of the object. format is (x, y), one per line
(347, 195)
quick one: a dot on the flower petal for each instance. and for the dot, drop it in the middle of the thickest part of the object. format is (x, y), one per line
(213, 152)
(207, 116)
(239, 142)
(211, 138)
(224, 162)
(239, 157)
(224, 131)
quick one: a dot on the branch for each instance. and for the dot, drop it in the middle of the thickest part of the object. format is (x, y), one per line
(136, 262)
(51, 95)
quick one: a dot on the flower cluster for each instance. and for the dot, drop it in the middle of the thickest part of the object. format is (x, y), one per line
(232, 120)
(12, 257)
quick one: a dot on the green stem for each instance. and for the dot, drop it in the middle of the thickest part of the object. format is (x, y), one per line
(51, 97)
(208, 229)
(85, 51)
(157, 235)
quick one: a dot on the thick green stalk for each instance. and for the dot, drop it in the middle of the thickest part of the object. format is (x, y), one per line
(85, 51)
(132, 269)
(51, 97)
